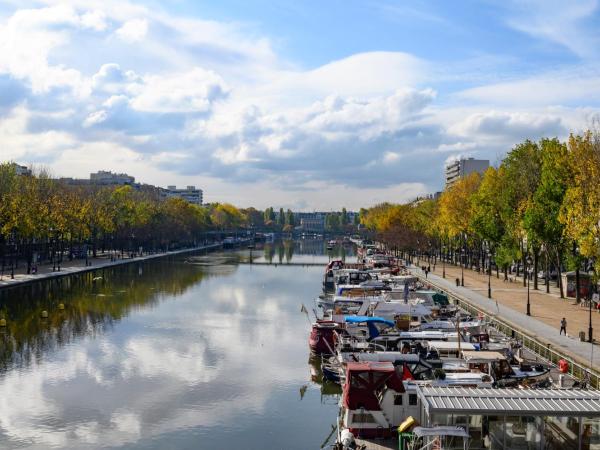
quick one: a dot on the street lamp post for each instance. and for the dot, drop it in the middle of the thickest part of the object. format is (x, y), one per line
(528, 261)
(462, 266)
(577, 295)
(489, 274)
(443, 261)
(590, 329)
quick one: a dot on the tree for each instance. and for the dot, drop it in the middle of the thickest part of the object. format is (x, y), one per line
(486, 218)
(269, 215)
(289, 218)
(281, 218)
(541, 217)
(332, 222)
(344, 217)
(521, 174)
(254, 218)
(455, 209)
(580, 211)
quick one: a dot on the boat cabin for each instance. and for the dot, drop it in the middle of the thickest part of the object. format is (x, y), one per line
(449, 349)
(374, 401)
(510, 418)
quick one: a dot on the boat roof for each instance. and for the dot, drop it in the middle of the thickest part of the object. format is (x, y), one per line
(380, 356)
(444, 345)
(440, 431)
(367, 319)
(510, 401)
(470, 356)
(370, 366)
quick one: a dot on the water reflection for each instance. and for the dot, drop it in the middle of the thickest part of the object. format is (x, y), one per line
(180, 354)
(300, 251)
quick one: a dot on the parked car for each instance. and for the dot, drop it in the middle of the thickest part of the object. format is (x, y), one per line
(542, 274)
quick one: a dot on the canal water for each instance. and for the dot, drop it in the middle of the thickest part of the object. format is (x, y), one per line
(194, 352)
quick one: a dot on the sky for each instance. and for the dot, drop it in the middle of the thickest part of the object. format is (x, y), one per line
(311, 105)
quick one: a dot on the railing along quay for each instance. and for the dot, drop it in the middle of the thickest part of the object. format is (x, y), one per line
(542, 350)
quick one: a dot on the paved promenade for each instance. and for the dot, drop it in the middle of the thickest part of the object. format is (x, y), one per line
(509, 303)
(45, 272)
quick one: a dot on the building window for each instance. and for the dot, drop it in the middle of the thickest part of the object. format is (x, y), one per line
(398, 400)
(412, 399)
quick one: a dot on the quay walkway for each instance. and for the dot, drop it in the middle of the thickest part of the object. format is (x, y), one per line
(45, 271)
(540, 331)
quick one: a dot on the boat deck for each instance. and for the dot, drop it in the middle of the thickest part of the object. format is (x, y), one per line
(378, 444)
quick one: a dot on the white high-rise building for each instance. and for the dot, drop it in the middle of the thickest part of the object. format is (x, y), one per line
(190, 194)
(460, 168)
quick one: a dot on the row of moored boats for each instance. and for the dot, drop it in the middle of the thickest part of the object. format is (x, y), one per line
(380, 332)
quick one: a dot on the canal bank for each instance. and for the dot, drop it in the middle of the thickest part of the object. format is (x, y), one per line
(539, 337)
(73, 268)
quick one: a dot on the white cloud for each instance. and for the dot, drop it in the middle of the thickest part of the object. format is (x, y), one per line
(134, 30)
(558, 22)
(510, 125)
(192, 91)
(580, 84)
(457, 146)
(96, 20)
(95, 118)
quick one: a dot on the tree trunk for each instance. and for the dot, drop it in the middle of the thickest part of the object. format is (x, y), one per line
(558, 272)
(536, 254)
(524, 260)
(547, 272)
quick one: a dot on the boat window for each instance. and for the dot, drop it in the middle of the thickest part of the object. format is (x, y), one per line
(412, 399)
(364, 417)
(398, 399)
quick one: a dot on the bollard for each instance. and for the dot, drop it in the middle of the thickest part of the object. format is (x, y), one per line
(61, 306)
(44, 314)
(2, 322)
(457, 282)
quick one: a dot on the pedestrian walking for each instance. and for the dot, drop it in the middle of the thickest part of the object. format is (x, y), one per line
(563, 326)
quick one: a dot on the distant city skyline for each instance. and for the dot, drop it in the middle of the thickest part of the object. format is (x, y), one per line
(304, 105)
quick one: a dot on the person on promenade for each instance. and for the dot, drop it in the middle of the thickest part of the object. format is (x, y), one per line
(563, 326)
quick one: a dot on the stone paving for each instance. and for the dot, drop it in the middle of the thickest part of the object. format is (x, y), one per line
(509, 303)
(45, 272)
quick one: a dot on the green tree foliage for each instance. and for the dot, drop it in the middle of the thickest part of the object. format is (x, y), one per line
(332, 222)
(269, 216)
(289, 218)
(344, 217)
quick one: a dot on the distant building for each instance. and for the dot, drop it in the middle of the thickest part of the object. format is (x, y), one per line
(312, 225)
(314, 222)
(21, 170)
(190, 194)
(460, 168)
(104, 177)
(310, 222)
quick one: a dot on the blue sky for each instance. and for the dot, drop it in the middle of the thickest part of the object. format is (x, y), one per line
(308, 105)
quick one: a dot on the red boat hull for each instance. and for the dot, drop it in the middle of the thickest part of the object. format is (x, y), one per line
(321, 339)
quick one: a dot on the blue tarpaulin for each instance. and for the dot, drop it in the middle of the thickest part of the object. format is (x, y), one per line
(370, 321)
